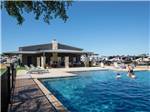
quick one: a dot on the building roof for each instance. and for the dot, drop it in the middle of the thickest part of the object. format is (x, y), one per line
(47, 47)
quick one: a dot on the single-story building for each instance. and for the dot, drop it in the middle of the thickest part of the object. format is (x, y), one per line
(53, 54)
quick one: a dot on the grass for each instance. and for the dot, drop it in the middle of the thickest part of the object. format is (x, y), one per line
(20, 68)
(2, 70)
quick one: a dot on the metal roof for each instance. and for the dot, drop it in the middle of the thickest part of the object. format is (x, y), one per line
(47, 47)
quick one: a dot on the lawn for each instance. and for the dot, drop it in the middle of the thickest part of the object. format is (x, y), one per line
(20, 68)
(2, 70)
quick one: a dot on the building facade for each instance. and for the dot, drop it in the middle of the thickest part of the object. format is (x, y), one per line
(53, 54)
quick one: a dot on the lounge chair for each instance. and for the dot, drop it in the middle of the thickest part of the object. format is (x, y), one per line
(122, 66)
(35, 70)
(102, 64)
(116, 65)
(32, 66)
(27, 68)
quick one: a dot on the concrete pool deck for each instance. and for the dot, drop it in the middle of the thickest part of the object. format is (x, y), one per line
(138, 68)
(56, 72)
(66, 72)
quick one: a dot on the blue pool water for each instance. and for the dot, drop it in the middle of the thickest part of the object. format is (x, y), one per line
(100, 91)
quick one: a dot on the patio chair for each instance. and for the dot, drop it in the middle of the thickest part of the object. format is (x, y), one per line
(36, 70)
(116, 65)
(33, 67)
(122, 66)
(27, 68)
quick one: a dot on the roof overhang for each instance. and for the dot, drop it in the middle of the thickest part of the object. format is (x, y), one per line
(67, 51)
(50, 51)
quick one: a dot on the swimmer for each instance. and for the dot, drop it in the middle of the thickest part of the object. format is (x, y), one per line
(118, 75)
(132, 75)
(130, 72)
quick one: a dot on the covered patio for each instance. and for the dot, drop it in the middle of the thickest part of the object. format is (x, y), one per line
(54, 58)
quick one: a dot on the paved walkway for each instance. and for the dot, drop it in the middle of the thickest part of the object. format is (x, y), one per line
(56, 72)
(28, 97)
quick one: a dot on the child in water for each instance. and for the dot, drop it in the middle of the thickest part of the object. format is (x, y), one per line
(118, 75)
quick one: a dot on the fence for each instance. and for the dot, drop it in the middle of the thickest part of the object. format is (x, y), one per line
(7, 86)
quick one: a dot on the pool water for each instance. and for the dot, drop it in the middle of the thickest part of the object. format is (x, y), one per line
(100, 91)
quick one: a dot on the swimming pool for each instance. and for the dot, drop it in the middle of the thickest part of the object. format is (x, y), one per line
(100, 91)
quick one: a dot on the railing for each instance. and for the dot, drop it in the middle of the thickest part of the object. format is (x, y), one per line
(7, 86)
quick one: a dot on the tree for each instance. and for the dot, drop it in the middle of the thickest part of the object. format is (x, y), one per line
(46, 9)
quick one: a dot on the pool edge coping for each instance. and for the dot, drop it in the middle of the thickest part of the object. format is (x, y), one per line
(58, 106)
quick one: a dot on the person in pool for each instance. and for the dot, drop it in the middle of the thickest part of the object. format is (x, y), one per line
(118, 75)
(130, 72)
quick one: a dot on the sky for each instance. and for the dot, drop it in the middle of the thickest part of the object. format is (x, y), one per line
(106, 28)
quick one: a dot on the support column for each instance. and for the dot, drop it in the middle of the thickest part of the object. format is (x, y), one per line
(42, 61)
(66, 61)
(38, 61)
(86, 63)
(55, 57)
(20, 58)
